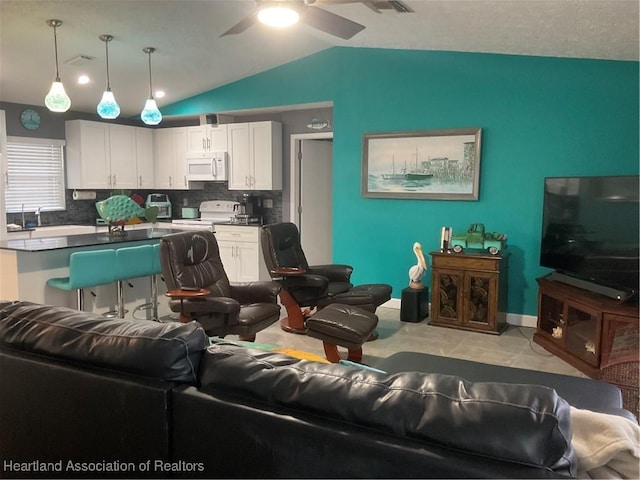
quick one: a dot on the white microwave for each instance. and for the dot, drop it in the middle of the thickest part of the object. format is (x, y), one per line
(209, 168)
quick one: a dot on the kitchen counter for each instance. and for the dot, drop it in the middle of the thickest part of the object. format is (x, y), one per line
(83, 240)
(27, 264)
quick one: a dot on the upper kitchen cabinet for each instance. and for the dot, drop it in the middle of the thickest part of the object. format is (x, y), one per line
(170, 146)
(204, 139)
(101, 155)
(255, 156)
(144, 157)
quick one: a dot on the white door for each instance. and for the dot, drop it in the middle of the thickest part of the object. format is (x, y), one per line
(314, 217)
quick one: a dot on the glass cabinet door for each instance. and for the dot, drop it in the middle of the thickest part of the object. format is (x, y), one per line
(551, 315)
(583, 332)
(449, 302)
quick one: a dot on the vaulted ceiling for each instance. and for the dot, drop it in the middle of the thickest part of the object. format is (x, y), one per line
(192, 57)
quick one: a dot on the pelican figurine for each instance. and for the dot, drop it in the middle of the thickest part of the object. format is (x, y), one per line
(417, 271)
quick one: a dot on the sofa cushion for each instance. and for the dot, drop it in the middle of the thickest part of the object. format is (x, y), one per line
(517, 423)
(168, 351)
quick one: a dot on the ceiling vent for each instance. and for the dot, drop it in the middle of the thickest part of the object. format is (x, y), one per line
(80, 60)
(396, 5)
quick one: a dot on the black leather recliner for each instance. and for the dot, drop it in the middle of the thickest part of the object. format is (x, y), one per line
(200, 289)
(307, 286)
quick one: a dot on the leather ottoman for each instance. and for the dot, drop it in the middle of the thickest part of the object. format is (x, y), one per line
(345, 325)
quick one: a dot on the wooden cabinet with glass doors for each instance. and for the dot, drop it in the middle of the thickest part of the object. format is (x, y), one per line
(469, 291)
(573, 323)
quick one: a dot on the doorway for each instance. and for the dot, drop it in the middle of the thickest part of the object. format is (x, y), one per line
(311, 194)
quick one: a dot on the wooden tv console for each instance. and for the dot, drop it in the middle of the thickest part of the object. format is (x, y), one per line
(577, 325)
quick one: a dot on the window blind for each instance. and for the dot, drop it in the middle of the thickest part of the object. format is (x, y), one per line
(35, 175)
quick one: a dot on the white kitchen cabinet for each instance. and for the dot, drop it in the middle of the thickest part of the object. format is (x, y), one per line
(101, 155)
(255, 156)
(204, 139)
(144, 158)
(240, 253)
(122, 156)
(87, 154)
(171, 159)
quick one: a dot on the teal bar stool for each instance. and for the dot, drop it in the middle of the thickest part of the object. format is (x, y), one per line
(132, 262)
(87, 269)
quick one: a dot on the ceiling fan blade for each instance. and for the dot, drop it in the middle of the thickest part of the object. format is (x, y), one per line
(242, 25)
(331, 23)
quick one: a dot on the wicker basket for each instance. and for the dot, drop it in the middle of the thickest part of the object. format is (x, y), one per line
(621, 366)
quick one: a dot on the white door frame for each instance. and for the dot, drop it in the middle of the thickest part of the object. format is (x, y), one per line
(294, 174)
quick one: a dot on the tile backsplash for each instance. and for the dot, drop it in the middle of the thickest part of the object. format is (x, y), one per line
(83, 212)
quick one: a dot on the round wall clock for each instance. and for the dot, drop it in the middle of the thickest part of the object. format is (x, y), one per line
(30, 119)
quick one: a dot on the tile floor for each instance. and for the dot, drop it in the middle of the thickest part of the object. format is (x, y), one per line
(514, 347)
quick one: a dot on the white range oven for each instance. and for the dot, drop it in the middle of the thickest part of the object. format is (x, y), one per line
(211, 212)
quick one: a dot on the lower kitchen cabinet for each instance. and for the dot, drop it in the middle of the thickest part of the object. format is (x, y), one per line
(469, 291)
(241, 253)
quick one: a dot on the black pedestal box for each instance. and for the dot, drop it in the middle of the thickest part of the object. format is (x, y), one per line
(414, 305)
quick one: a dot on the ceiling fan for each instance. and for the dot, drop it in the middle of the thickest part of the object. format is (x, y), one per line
(313, 16)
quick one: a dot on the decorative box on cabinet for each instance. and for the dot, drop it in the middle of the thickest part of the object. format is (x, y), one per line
(577, 325)
(240, 253)
(255, 156)
(469, 291)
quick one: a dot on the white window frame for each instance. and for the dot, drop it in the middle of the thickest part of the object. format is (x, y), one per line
(37, 186)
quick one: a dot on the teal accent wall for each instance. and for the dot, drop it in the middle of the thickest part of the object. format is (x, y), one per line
(539, 116)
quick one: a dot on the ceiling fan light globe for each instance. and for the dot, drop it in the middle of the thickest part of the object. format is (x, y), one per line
(150, 114)
(108, 107)
(57, 99)
(278, 16)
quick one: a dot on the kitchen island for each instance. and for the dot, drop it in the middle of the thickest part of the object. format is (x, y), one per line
(27, 264)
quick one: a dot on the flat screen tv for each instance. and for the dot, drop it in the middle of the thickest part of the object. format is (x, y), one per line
(590, 233)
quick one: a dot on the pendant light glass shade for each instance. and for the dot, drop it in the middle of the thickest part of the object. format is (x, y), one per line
(150, 113)
(108, 107)
(57, 99)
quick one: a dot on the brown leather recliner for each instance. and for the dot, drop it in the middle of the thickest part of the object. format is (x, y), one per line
(200, 289)
(307, 286)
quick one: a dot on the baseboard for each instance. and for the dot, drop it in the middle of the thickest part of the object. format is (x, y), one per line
(515, 319)
(520, 320)
(392, 303)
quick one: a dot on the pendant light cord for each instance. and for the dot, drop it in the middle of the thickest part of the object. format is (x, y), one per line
(106, 48)
(55, 43)
(150, 87)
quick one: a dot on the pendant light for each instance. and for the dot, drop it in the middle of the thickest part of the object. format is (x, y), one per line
(108, 107)
(150, 113)
(57, 99)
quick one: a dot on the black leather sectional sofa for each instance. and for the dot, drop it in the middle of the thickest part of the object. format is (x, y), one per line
(88, 397)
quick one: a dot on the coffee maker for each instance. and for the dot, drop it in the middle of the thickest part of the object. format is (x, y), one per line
(249, 211)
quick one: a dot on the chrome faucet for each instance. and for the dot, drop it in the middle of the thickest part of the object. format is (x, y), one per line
(23, 216)
(38, 215)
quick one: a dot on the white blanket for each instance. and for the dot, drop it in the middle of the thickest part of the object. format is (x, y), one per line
(607, 446)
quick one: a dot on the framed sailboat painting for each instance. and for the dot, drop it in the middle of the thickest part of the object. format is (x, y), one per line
(431, 164)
